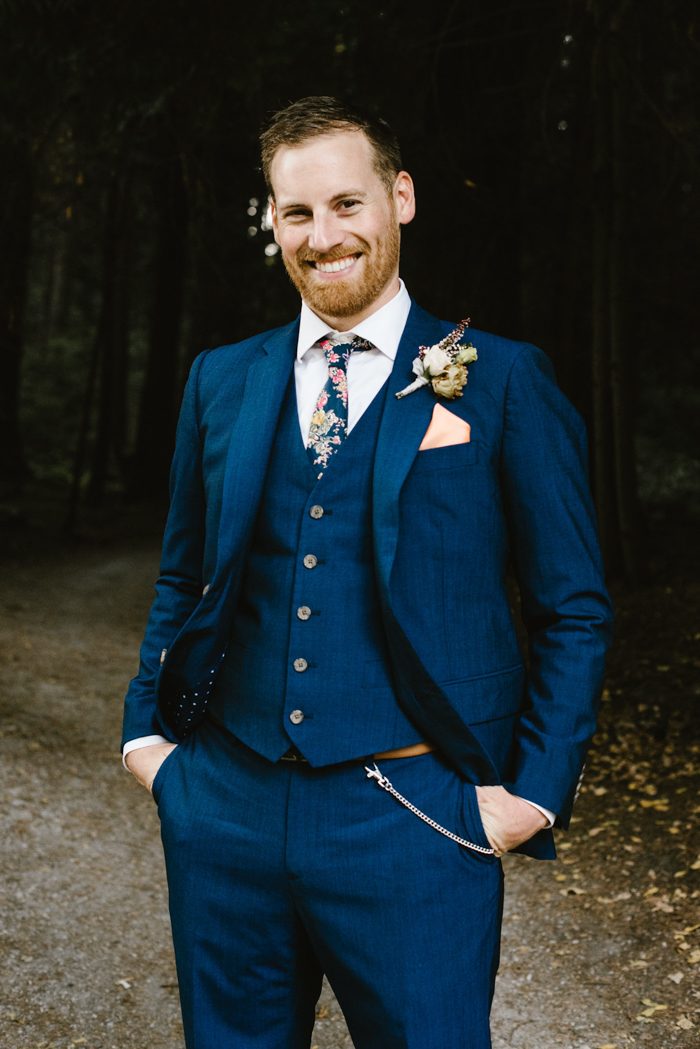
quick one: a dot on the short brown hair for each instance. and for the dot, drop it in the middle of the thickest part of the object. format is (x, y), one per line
(321, 115)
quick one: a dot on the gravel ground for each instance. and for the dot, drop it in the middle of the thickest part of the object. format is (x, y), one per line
(601, 950)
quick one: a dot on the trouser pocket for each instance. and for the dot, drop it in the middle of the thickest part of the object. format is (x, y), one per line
(472, 818)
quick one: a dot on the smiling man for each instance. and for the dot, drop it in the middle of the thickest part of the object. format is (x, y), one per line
(342, 250)
(332, 710)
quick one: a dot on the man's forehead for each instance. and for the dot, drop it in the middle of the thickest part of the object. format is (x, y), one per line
(345, 157)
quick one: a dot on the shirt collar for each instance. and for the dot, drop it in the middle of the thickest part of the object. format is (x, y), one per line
(383, 328)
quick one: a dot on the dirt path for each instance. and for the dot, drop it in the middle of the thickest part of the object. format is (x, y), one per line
(601, 950)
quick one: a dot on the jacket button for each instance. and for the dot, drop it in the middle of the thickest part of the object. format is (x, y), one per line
(206, 590)
(304, 612)
(310, 561)
(316, 512)
(296, 717)
(300, 665)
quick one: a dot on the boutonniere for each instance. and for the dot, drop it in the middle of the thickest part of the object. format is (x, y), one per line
(443, 365)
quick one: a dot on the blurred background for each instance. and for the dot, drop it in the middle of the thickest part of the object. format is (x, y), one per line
(555, 150)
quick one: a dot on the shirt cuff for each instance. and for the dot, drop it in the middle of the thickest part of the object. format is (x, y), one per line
(136, 744)
(549, 816)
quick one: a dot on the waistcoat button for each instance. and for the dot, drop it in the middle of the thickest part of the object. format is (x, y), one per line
(300, 665)
(310, 561)
(303, 612)
(296, 717)
(316, 512)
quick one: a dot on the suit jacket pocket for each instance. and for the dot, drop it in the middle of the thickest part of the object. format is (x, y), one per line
(449, 457)
(489, 696)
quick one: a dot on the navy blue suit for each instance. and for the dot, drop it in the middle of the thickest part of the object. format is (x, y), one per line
(443, 527)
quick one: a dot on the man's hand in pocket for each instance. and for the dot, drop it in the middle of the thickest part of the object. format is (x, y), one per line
(145, 762)
(508, 820)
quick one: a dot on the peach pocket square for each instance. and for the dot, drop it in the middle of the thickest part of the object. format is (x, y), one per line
(445, 428)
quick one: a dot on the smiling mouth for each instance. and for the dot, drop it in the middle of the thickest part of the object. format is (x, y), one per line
(337, 265)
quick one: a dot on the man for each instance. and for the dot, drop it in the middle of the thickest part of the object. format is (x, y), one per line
(331, 640)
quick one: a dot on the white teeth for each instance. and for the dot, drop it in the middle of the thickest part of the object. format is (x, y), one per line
(335, 267)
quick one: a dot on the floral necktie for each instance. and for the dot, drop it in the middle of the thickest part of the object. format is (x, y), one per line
(329, 422)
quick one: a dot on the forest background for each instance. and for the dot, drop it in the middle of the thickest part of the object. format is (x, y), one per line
(555, 149)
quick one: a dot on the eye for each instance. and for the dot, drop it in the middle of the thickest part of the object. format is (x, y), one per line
(349, 204)
(296, 214)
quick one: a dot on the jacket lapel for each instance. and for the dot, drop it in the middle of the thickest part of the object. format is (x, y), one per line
(249, 448)
(403, 425)
(251, 440)
(402, 428)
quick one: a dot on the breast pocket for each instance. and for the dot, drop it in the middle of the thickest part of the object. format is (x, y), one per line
(449, 457)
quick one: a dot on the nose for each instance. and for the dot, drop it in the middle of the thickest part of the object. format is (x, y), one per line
(325, 233)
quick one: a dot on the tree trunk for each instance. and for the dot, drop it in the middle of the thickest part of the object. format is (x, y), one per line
(614, 460)
(156, 427)
(600, 317)
(621, 379)
(111, 338)
(15, 234)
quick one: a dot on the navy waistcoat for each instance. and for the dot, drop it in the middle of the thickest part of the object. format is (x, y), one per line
(307, 662)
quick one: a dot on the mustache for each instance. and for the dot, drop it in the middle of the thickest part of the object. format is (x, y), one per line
(307, 255)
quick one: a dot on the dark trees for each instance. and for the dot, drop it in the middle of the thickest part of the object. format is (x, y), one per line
(550, 148)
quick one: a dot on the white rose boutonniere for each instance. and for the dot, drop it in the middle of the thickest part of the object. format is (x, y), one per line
(444, 365)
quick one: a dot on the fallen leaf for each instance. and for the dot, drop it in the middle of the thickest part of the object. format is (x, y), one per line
(676, 977)
(624, 895)
(685, 1023)
(652, 1007)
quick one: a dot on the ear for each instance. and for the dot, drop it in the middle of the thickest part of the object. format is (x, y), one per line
(404, 197)
(274, 222)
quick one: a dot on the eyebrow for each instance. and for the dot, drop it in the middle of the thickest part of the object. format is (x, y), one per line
(355, 194)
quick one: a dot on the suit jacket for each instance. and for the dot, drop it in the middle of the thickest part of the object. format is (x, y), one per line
(447, 524)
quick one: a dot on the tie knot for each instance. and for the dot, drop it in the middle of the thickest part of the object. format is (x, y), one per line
(338, 348)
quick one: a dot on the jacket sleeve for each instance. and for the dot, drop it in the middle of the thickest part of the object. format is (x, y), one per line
(179, 584)
(565, 607)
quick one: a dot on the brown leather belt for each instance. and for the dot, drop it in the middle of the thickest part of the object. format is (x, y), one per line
(405, 752)
(412, 751)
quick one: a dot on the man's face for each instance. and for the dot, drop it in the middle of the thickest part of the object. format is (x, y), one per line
(337, 225)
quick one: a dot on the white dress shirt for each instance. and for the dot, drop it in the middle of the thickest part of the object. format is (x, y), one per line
(367, 373)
